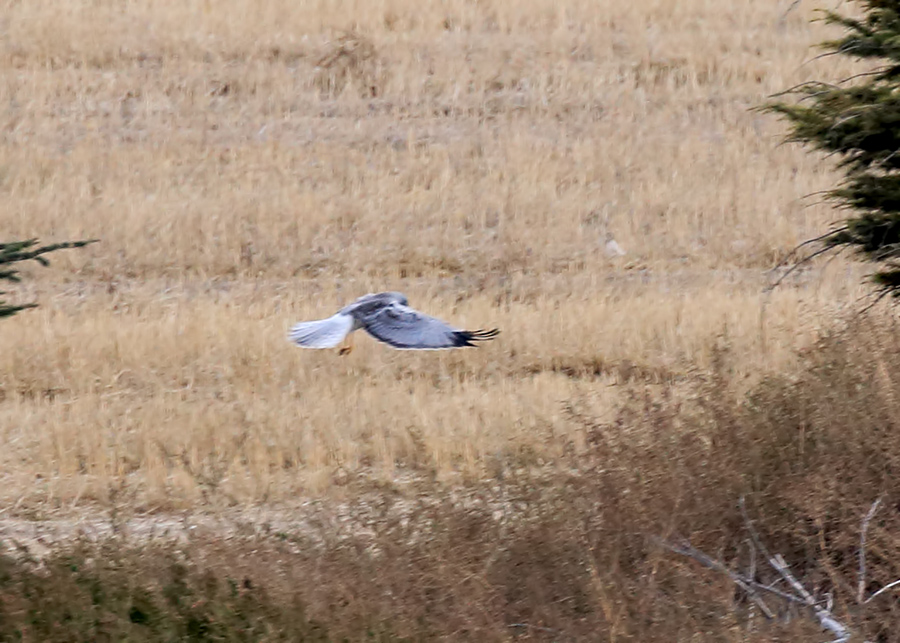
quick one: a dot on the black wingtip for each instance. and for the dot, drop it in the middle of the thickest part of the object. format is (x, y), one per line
(467, 337)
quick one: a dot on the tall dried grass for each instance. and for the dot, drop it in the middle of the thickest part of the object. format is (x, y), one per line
(570, 554)
(247, 166)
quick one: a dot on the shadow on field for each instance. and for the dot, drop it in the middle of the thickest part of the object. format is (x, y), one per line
(568, 555)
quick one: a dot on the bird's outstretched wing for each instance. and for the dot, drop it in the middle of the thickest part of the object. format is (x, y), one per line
(322, 333)
(405, 328)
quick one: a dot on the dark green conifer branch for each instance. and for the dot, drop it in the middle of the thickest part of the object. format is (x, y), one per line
(859, 122)
(28, 250)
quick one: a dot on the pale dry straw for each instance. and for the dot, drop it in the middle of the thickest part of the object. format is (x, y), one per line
(247, 166)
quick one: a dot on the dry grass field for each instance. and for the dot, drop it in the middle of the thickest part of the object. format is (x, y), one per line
(249, 166)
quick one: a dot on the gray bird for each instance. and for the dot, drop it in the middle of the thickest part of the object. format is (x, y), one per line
(387, 317)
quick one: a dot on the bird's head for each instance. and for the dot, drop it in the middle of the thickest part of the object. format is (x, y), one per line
(399, 298)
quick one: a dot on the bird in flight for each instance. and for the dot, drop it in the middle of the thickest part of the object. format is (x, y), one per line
(387, 317)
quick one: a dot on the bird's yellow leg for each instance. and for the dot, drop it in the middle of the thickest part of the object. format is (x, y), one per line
(347, 345)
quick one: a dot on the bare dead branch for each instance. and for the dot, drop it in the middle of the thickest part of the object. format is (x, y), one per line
(747, 584)
(883, 590)
(825, 617)
(863, 531)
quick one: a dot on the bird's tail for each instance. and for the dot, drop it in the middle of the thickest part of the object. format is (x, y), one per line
(466, 337)
(322, 333)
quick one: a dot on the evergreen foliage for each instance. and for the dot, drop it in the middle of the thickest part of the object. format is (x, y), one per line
(16, 251)
(858, 120)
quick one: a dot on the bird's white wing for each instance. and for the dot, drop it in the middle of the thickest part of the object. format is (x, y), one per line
(402, 327)
(323, 333)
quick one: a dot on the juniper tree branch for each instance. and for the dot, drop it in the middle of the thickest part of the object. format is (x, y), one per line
(800, 264)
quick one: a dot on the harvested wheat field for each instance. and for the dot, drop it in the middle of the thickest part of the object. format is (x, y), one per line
(248, 165)
(246, 169)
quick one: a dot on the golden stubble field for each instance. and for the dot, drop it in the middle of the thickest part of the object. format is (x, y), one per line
(248, 165)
